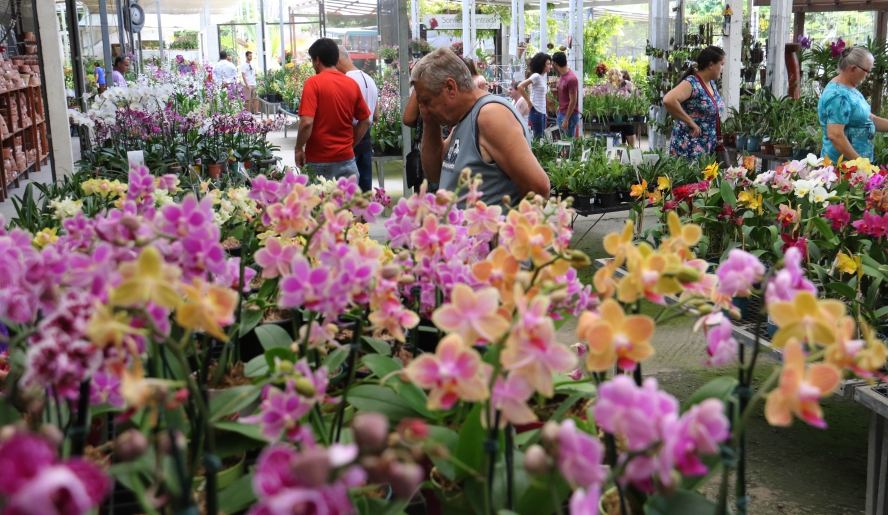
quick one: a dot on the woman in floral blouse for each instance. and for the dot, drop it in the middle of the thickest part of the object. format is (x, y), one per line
(697, 107)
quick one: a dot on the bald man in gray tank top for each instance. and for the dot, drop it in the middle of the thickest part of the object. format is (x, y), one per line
(489, 136)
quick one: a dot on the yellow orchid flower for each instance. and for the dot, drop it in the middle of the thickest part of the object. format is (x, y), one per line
(651, 275)
(862, 356)
(45, 237)
(711, 171)
(663, 183)
(750, 201)
(207, 307)
(654, 197)
(105, 327)
(148, 279)
(638, 190)
(806, 318)
(681, 237)
(614, 338)
(848, 264)
(800, 389)
(620, 245)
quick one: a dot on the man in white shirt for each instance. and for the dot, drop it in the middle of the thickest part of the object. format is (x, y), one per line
(224, 72)
(249, 76)
(363, 148)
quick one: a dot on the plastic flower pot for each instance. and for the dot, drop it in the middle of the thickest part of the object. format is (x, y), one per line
(223, 478)
(606, 199)
(772, 328)
(742, 304)
(783, 150)
(583, 201)
(624, 196)
(766, 147)
(741, 140)
(753, 143)
(214, 170)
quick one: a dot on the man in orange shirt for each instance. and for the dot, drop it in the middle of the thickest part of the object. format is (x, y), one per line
(330, 102)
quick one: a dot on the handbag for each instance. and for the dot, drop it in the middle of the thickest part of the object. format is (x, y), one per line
(721, 153)
(415, 175)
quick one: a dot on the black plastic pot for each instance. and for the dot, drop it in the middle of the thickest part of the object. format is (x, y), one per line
(583, 201)
(606, 199)
(624, 196)
(388, 61)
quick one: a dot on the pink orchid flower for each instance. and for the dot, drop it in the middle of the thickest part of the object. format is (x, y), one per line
(275, 258)
(428, 239)
(510, 397)
(453, 373)
(472, 314)
(482, 218)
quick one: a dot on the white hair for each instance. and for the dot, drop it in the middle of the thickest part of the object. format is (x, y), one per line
(434, 70)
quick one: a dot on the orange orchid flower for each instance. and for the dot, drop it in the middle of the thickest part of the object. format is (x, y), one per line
(800, 389)
(472, 314)
(806, 318)
(614, 338)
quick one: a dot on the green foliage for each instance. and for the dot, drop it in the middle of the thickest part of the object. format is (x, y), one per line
(597, 35)
(185, 40)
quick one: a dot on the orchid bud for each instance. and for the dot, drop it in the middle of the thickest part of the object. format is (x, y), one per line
(361, 203)
(536, 461)
(284, 366)
(130, 445)
(507, 200)
(550, 433)
(558, 296)
(390, 271)
(312, 466)
(579, 259)
(130, 222)
(688, 274)
(304, 387)
(370, 432)
(403, 255)
(705, 309)
(404, 479)
(407, 279)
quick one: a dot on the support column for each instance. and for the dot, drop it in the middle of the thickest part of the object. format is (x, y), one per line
(733, 45)
(106, 37)
(262, 45)
(572, 18)
(61, 152)
(121, 29)
(466, 26)
(474, 30)
(680, 28)
(798, 25)
(659, 14)
(881, 34)
(281, 25)
(404, 83)
(544, 35)
(159, 30)
(513, 35)
(778, 37)
(577, 51)
(414, 11)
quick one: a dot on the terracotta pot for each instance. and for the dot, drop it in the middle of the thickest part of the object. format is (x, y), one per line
(214, 170)
(783, 150)
(7, 153)
(767, 148)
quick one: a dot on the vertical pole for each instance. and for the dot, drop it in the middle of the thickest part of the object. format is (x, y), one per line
(466, 26)
(414, 10)
(798, 26)
(404, 83)
(473, 31)
(521, 22)
(544, 36)
(281, 24)
(106, 36)
(778, 34)
(577, 51)
(262, 35)
(121, 29)
(571, 20)
(680, 29)
(733, 45)
(513, 34)
(159, 30)
(878, 80)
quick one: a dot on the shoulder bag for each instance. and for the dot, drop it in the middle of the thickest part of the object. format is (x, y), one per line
(721, 153)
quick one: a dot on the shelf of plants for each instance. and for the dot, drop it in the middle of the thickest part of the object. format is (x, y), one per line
(22, 122)
(258, 350)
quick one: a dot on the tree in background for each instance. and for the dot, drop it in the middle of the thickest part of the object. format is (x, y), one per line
(597, 36)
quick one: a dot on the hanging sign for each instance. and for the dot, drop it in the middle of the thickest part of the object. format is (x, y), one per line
(454, 21)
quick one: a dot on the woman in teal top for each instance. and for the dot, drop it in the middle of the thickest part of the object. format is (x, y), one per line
(845, 117)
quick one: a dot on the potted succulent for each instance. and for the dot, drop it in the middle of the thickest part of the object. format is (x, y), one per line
(388, 53)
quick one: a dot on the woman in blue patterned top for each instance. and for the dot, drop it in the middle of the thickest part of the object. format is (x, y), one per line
(697, 107)
(845, 117)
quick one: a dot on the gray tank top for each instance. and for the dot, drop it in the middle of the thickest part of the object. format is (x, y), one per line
(465, 152)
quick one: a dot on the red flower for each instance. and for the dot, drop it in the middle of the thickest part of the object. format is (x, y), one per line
(798, 242)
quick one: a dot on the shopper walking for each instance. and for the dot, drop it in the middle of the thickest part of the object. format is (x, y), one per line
(518, 101)
(364, 148)
(100, 77)
(224, 72)
(330, 103)
(849, 127)
(121, 66)
(568, 111)
(249, 76)
(540, 64)
(489, 136)
(697, 107)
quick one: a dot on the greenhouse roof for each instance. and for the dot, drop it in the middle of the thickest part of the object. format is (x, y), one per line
(813, 6)
(168, 6)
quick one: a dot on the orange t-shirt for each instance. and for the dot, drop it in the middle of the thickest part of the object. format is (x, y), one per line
(334, 100)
